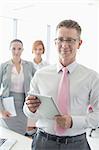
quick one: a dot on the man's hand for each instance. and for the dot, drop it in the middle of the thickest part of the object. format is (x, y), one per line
(64, 121)
(33, 103)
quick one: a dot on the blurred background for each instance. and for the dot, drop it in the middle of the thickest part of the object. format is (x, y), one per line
(30, 20)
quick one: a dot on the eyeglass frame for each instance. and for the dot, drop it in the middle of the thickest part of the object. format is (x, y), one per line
(70, 41)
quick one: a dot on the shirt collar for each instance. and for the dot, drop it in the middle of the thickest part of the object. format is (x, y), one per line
(71, 67)
(39, 63)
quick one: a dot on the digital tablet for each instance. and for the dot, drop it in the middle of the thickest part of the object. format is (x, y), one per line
(47, 108)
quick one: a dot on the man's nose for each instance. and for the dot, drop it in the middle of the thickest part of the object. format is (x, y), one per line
(65, 43)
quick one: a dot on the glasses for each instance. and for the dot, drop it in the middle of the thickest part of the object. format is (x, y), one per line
(69, 41)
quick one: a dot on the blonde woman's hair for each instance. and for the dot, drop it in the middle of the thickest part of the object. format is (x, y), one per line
(36, 43)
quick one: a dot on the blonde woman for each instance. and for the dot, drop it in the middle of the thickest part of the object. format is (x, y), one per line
(38, 49)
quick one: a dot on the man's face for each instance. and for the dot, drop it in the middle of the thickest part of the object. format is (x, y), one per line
(67, 42)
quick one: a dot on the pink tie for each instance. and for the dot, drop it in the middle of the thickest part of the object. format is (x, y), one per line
(63, 96)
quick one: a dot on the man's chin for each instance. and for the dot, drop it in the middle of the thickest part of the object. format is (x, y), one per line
(64, 56)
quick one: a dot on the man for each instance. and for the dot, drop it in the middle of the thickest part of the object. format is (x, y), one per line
(84, 90)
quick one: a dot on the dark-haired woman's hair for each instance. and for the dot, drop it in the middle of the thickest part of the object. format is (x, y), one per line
(16, 40)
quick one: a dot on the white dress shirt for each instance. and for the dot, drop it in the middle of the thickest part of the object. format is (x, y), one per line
(37, 67)
(40, 65)
(84, 90)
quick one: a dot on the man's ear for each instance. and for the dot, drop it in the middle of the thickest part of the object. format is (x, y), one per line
(80, 42)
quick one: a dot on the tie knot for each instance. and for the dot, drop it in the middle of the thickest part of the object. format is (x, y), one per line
(64, 69)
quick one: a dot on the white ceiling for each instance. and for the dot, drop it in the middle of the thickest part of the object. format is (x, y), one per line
(25, 8)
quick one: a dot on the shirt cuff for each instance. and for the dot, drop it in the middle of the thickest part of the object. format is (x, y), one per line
(27, 112)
